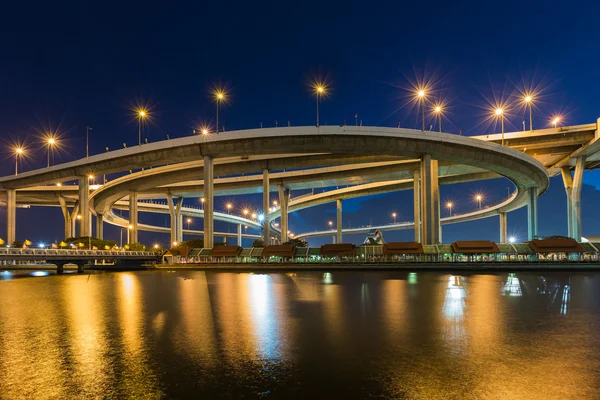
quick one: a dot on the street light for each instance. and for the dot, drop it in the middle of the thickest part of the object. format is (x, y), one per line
(229, 205)
(330, 225)
(188, 221)
(528, 100)
(51, 142)
(438, 111)
(319, 91)
(219, 97)
(479, 199)
(555, 121)
(394, 216)
(253, 215)
(19, 151)
(449, 206)
(205, 131)
(500, 114)
(512, 239)
(421, 98)
(245, 212)
(202, 202)
(141, 115)
(275, 203)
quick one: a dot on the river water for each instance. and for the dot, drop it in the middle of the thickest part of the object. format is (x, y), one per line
(195, 334)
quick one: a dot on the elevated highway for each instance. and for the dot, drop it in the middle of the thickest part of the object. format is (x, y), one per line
(365, 159)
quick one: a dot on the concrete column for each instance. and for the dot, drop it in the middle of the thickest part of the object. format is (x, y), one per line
(417, 205)
(209, 203)
(67, 217)
(333, 239)
(239, 236)
(503, 228)
(179, 224)
(532, 213)
(176, 219)
(576, 198)
(74, 214)
(339, 220)
(11, 216)
(430, 201)
(568, 183)
(284, 199)
(266, 206)
(100, 226)
(84, 207)
(133, 217)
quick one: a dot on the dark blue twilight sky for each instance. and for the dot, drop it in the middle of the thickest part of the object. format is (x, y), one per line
(65, 66)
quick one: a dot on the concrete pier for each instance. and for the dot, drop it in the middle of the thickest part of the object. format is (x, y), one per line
(430, 201)
(266, 207)
(532, 213)
(503, 228)
(11, 215)
(417, 205)
(209, 202)
(339, 220)
(84, 207)
(284, 199)
(133, 217)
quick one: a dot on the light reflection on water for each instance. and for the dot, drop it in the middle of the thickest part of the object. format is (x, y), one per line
(350, 334)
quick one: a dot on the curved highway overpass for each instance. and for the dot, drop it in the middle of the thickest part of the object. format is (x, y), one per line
(366, 160)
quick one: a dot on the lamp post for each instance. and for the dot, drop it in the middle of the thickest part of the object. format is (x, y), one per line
(528, 99)
(320, 90)
(438, 111)
(19, 151)
(51, 143)
(500, 114)
(394, 216)
(202, 202)
(449, 206)
(219, 97)
(141, 115)
(245, 212)
(87, 141)
(421, 96)
(128, 228)
(555, 121)
(188, 221)
(229, 205)
(330, 225)
(479, 199)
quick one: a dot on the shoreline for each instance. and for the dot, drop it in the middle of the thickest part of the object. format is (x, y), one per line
(473, 267)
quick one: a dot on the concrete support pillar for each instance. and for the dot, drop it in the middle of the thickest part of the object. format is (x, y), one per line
(576, 198)
(100, 226)
(176, 219)
(209, 203)
(74, 214)
(333, 239)
(133, 217)
(284, 199)
(67, 217)
(11, 216)
(532, 213)
(179, 224)
(430, 201)
(417, 204)
(239, 235)
(503, 228)
(339, 220)
(568, 183)
(85, 223)
(266, 206)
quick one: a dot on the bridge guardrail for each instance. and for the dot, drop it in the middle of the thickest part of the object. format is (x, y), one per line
(68, 252)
